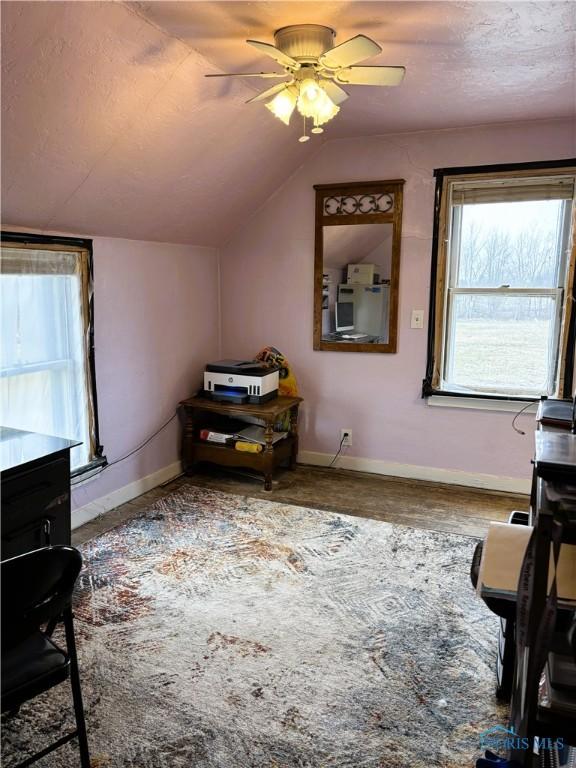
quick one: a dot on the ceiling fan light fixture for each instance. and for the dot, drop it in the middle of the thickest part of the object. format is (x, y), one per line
(314, 102)
(309, 93)
(325, 109)
(283, 105)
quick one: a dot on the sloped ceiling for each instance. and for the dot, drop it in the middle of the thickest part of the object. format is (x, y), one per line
(109, 126)
(344, 244)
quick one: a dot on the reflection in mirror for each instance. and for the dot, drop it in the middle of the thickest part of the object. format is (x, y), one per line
(356, 274)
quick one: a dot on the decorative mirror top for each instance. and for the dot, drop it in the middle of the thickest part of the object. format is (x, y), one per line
(347, 205)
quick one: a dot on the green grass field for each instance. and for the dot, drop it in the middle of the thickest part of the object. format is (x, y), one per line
(497, 354)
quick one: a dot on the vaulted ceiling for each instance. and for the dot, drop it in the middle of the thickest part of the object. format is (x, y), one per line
(110, 128)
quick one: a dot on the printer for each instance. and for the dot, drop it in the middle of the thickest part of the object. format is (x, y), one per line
(241, 381)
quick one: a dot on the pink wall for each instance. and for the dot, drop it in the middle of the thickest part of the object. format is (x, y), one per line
(156, 324)
(267, 271)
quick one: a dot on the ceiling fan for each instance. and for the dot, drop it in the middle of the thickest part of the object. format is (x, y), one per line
(314, 71)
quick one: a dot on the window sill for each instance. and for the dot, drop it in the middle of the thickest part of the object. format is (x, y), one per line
(482, 403)
(88, 472)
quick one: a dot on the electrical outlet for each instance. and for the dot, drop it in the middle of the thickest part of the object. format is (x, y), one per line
(417, 319)
(346, 437)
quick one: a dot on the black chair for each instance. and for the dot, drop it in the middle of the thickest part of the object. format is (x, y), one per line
(36, 593)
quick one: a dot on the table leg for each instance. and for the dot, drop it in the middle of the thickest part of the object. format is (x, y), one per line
(268, 435)
(294, 434)
(269, 454)
(188, 461)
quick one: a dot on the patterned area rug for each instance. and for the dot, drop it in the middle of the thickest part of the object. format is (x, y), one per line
(218, 631)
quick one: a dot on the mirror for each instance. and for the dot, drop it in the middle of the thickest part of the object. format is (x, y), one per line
(357, 264)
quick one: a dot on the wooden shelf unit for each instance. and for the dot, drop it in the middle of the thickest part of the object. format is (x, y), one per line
(196, 413)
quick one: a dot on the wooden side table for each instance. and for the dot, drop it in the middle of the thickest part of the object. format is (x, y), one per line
(196, 411)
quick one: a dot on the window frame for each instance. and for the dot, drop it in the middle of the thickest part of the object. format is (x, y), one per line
(52, 242)
(439, 281)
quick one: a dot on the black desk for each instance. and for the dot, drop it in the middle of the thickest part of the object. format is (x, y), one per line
(35, 490)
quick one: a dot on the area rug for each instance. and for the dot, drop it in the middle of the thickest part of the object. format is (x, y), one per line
(218, 631)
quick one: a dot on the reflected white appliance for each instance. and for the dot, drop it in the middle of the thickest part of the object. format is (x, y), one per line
(361, 273)
(370, 307)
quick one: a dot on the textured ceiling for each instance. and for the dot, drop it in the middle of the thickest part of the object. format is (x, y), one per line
(109, 126)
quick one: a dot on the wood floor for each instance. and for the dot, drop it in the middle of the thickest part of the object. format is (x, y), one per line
(417, 504)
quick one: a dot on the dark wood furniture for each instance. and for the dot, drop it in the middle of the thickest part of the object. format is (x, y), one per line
(553, 517)
(535, 636)
(35, 490)
(199, 412)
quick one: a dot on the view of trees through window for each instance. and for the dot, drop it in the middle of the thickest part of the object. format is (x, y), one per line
(513, 244)
(504, 296)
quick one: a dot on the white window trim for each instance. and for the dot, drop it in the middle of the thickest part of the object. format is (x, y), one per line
(482, 403)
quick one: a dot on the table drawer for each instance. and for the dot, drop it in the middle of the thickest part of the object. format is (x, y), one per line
(35, 533)
(35, 487)
(36, 507)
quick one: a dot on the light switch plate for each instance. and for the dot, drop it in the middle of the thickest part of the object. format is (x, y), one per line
(417, 320)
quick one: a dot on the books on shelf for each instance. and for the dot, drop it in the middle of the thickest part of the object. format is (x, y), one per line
(252, 434)
(502, 556)
(216, 437)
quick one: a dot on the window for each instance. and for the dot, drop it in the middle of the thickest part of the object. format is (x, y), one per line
(501, 316)
(46, 352)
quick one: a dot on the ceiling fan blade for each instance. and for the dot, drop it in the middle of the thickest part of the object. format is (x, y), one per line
(275, 53)
(371, 75)
(251, 74)
(336, 94)
(352, 51)
(268, 92)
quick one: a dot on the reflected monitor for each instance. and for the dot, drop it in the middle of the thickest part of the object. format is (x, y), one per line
(344, 316)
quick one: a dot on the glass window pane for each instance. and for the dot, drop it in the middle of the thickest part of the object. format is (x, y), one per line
(34, 318)
(501, 344)
(516, 244)
(43, 380)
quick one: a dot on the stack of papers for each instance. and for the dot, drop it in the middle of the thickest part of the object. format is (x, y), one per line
(256, 435)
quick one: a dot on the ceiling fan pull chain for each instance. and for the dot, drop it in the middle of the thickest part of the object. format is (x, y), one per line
(304, 136)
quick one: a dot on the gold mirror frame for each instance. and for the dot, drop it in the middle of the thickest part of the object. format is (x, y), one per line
(390, 212)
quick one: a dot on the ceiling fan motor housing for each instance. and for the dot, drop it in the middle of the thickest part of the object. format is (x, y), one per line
(304, 42)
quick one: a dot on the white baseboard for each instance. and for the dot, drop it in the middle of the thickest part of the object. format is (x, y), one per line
(120, 496)
(415, 472)
(104, 504)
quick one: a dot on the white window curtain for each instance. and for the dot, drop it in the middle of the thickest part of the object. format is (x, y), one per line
(44, 353)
